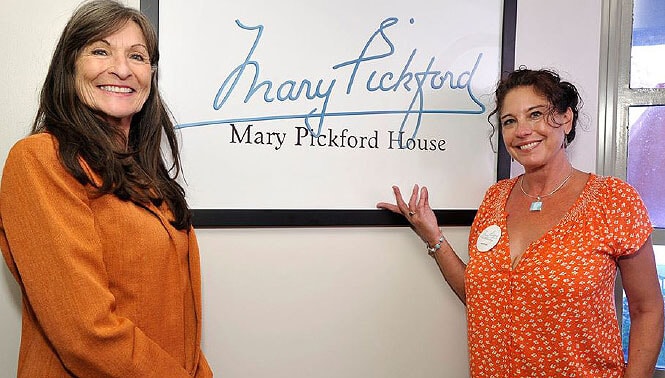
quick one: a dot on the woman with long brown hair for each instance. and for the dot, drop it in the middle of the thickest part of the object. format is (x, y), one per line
(93, 224)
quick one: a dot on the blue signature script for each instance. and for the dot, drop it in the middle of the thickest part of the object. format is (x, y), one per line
(414, 82)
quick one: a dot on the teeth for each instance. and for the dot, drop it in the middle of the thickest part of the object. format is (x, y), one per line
(529, 146)
(111, 88)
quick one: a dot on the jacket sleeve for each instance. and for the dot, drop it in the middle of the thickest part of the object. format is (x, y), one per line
(57, 258)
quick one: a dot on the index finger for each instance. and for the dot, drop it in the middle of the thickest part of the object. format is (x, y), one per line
(400, 200)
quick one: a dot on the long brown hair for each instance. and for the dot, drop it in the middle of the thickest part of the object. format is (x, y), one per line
(132, 168)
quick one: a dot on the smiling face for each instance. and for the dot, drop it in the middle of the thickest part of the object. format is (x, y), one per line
(532, 132)
(113, 75)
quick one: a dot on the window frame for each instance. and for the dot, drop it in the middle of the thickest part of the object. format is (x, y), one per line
(615, 97)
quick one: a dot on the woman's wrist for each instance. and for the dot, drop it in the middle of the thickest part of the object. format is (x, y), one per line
(433, 247)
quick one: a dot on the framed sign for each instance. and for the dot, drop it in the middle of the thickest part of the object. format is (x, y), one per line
(305, 113)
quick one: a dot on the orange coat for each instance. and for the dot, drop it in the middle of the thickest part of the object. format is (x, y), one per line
(110, 288)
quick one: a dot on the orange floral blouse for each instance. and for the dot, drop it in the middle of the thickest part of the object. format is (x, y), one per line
(553, 315)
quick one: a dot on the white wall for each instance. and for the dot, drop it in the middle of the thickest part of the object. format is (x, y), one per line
(566, 37)
(318, 302)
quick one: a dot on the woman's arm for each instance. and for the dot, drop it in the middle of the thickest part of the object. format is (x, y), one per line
(645, 303)
(423, 221)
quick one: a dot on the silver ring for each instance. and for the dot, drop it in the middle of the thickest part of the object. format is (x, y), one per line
(412, 213)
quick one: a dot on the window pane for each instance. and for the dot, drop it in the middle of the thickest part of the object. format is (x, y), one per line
(648, 44)
(646, 158)
(659, 250)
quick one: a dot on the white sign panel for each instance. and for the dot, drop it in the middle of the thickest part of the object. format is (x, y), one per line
(296, 104)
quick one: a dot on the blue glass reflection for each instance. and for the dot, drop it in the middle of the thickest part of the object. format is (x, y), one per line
(646, 160)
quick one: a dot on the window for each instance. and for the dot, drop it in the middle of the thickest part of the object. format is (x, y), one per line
(632, 119)
(646, 158)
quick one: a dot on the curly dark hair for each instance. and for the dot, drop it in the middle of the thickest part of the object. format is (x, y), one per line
(560, 94)
(131, 167)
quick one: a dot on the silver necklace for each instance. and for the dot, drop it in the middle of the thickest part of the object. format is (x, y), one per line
(537, 205)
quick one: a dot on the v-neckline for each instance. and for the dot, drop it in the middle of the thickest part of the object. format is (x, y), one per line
(570, 213)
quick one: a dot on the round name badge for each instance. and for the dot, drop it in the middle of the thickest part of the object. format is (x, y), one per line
(488, 238)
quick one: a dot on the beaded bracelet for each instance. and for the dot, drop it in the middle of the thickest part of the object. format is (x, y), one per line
(432, 250)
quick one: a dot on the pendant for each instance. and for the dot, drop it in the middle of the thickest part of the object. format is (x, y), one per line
(536, 205)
